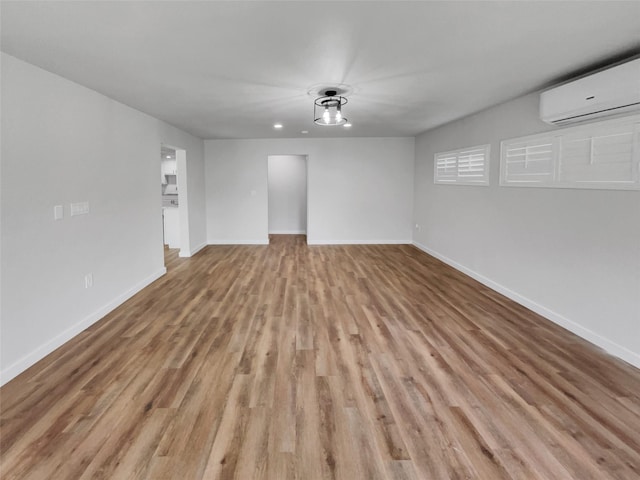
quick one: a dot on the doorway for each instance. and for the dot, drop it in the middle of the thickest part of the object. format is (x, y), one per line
(287, 194)
(175, 212)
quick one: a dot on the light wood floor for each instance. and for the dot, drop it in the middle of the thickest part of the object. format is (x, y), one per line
(296, 362)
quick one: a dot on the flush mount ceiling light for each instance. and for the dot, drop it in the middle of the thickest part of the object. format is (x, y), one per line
(327, 110)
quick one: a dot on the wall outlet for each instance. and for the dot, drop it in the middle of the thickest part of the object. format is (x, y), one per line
(88, 280)
(417, 226)
(58, 212)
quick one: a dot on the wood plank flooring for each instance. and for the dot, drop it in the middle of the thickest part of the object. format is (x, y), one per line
(294, 362)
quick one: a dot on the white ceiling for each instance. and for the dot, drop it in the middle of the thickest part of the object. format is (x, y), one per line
(167, 153)
(233, 69)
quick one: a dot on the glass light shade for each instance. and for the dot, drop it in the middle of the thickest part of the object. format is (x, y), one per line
(327, 110)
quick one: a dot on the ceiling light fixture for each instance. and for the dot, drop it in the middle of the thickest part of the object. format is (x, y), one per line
(347, 125)
(327, 110)
(277, 125)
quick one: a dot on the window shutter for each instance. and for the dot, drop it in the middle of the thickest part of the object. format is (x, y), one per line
(472, 164)
(446, 167)
(599, 156)
(529, 161)
(602, 155)
(469, 166)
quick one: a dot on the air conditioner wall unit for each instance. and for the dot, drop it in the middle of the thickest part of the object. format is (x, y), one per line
(609, 92)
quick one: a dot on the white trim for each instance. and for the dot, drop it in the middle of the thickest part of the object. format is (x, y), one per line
(611, 347)
(367, 241)
(193, 251)
(288, 232)
(45, 349)
(238, 242)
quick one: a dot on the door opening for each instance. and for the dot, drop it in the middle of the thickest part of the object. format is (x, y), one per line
(175, 212)
(287, 194)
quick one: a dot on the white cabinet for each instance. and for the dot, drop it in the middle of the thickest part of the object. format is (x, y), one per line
(169, 167)
(171, 219)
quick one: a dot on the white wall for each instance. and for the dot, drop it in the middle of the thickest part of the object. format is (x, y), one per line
(64, 143)
(287, 192)
(360, 190)
(571, 255)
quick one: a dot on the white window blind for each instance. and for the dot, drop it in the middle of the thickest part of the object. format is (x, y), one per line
(598, 155)
(467, 166)
(529, 160)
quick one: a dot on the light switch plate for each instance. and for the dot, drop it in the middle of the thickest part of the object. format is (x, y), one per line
(58, 212)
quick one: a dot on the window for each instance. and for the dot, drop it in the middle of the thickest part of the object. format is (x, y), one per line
(599, 155)
(467, 166)
(528, 160)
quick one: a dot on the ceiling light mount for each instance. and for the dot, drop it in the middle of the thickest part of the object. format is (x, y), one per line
(327, 109)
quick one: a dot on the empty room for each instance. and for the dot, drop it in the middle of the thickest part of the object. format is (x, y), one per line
(307, 240)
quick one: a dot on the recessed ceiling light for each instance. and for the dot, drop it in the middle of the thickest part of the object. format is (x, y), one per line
(347, 125)
(168, 156)
(304, 131)
(277, 125)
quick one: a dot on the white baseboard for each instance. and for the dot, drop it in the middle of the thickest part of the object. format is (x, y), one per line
(238, 242)
(43, 350)
(288, 232)
(368, 241)
(193, 251)
(198, 248)
(589, 335)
